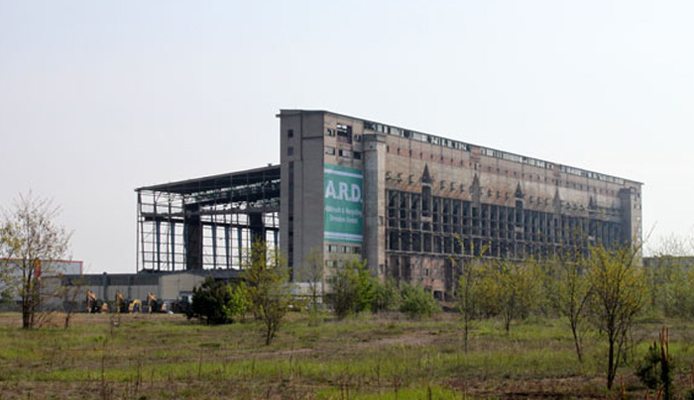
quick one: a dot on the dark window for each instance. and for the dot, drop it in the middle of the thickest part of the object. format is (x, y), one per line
(357, 155)
(290, 151)
(290, 133)
(344, 133)
(426, 201)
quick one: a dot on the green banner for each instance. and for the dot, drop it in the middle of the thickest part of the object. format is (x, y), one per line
(343, 204)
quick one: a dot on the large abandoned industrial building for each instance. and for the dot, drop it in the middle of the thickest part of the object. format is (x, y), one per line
(403, 200)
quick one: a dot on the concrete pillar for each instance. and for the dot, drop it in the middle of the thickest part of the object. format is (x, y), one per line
(193, 237)
(104, 286)
(374, 246)
(257, 226)
(630, 202)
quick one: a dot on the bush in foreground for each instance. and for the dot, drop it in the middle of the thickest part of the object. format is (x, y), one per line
(215, 302)
(418, 302)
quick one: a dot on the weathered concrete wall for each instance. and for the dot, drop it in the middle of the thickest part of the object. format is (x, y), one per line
(171, 285)
(451, 168)
(374, 203)
(301, 203)
(394, 159)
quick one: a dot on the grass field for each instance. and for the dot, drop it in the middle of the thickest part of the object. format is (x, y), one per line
(371, 357)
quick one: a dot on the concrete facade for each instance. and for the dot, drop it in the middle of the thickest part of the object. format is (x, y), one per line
(420, 192)
(45, 269)
(166, 286)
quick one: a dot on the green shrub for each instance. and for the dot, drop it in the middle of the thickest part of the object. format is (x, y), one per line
(655, 370)
(648, 369)
(386, 297)
(212, 302)
(418, 302)
(353, 289)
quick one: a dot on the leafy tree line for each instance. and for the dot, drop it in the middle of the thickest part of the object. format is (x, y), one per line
(670, 278)
(354, 290)
(604, 288)
(265, 291)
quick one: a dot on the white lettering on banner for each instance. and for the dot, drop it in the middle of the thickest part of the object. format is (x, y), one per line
(347, 193)
(330, 190)
(356, 193)
(343, 191)
(344, 220)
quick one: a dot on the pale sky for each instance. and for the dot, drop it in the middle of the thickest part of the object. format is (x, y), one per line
(98, 98)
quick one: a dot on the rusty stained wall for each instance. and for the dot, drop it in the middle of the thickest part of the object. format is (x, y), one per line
(546, 189)
(450, 168)
(399, 167)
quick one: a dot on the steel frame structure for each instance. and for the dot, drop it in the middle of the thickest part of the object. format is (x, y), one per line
(209, 222)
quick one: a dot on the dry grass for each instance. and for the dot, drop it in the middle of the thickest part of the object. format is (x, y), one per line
(166, 356)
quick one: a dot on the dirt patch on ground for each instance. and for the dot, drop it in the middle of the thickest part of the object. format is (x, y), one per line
(550, 388)
(404, 339)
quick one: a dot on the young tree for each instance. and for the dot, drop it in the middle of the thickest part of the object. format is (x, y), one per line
(468, 295)
(655, 370)
(618, 290)
(570, 292)
(240, 301)
(366, 292)
(69, 292)
(29, 236)
(312, 273)
(509, 289)
(268, 286)
(469, 287)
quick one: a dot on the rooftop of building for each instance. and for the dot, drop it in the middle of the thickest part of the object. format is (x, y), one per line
(236, 178)
(464, 146)
(145, 277)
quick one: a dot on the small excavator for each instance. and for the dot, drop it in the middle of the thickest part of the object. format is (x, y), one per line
(121, 304)
(135, 306)
(95, 306)
(155, 306)
(124, 306)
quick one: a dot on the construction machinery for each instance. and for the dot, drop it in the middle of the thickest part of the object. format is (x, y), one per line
(155, 306)
(135, 306)
(92, 303)
(121, 305)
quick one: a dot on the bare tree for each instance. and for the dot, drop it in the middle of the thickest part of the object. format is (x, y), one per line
(69, 291)
(313, 273)
(468, 287)
(570, 291)
(29, 238)
(471, 274)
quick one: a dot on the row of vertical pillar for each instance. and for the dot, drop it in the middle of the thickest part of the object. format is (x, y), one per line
(193, 237)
